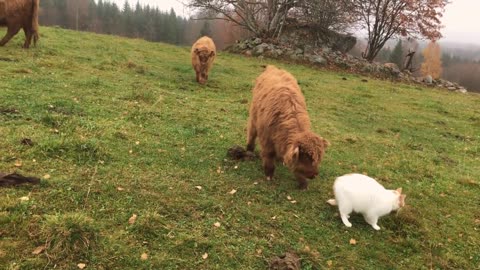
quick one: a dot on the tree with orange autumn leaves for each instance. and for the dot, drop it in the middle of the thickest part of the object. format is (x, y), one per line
(386, 19)
(432, 64)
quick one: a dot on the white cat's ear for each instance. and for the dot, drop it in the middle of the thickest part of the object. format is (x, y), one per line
(399, 190)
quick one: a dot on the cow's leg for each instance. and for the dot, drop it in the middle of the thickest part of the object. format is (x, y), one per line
(28, 37)
(198, 76)
(12, 31)
(268, 158)
(251, 135)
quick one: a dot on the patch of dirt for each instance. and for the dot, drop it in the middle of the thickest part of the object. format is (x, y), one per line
(287, 261)
(237, 152)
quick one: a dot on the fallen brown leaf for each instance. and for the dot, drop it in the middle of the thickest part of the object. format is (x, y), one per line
(233, 191)
(216, 224)
(353, 241)
(205, 256)
(120, 189)
(144, 256)
(38, 250)
(198, 187)
(329, 263)
(81, 265)
(132, 219)
(46, 176)
(18, 163)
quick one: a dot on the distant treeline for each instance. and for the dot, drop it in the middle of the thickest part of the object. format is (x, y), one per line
(139, 21)
(136, 21)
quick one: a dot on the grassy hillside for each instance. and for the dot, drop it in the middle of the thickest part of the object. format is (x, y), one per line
(121, 128)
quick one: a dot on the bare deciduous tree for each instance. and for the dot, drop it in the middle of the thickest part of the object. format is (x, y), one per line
(263, 18)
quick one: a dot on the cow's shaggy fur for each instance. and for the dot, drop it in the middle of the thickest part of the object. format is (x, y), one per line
(279, 118)
(18, 14)
(203, 55)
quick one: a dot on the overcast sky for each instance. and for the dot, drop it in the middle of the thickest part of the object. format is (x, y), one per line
(461, 18)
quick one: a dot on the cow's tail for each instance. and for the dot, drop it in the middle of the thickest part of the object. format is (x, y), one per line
(35, 9)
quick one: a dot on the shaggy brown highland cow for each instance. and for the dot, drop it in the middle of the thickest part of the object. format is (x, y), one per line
(18, 14)
(279, 118)
(203, 55)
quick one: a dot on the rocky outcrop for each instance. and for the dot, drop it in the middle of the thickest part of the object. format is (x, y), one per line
(309, 37)
(330, 58)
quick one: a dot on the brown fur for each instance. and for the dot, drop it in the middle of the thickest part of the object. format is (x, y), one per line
(203, 55)
(18, 14)
(279, 118)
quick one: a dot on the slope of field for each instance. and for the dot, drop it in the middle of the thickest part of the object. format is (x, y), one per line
(132, 153)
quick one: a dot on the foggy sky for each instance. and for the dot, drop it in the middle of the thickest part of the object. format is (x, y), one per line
(461, 18)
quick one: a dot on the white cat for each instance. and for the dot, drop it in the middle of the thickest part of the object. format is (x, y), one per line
(362, 194)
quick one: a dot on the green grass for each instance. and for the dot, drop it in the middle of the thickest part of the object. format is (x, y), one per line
(121, 128)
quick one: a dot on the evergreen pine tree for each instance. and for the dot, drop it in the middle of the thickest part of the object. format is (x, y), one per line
(205, 31)
(397, 55)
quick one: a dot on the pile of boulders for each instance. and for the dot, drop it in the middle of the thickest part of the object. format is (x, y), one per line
(326, 57)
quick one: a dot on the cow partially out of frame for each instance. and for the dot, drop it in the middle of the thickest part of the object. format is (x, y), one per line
(20, 14)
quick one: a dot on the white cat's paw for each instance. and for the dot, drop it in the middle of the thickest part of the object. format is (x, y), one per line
(269, 178)
(376, 227)
(348, 224)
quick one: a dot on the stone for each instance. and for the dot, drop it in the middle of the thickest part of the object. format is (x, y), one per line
(260, 49)
(257, 41)
(317, 60)
(392, 68)
(462, 90)
(242, 46)
(428, 79)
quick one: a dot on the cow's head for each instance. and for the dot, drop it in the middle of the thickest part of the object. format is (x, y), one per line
(305, 154)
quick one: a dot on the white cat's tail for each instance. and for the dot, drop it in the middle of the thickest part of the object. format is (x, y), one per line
(332, 202)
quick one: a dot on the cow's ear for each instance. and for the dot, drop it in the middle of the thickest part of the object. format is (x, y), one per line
(291, 157)
(212, 54)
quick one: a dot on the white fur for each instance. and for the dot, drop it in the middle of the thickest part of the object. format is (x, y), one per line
(362, 194)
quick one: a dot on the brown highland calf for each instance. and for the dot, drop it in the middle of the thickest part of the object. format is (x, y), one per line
(279, 118)
(18, 14)
(203, 55)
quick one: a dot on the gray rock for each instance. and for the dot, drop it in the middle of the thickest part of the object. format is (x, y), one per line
(317, 60)
(452, 88)
(242, 46)
(298, 51)
(295, 57)
(257, 41)
(428, 79)
(277, 52)
(462, 90)
(367, 69)
(260, 49)
(326, 49)
(392, 68)
(307, 49)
